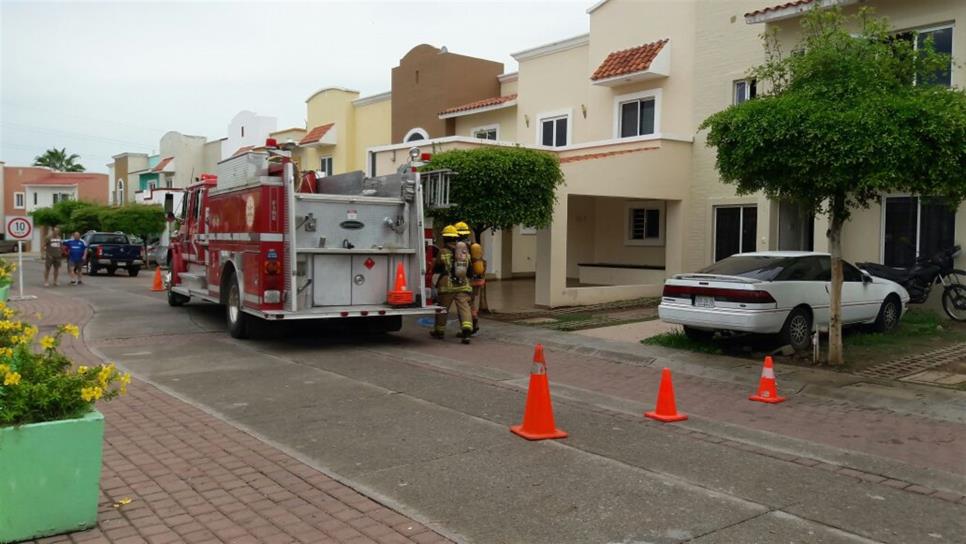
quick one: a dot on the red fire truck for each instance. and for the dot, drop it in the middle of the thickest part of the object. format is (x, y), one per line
(271, 243)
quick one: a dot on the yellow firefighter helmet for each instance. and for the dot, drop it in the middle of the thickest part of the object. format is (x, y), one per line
(463, 229)
(449, 231)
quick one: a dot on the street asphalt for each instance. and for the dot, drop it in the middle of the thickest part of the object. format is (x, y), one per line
(423, 427)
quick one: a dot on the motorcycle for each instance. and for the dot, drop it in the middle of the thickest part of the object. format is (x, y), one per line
(924, 275)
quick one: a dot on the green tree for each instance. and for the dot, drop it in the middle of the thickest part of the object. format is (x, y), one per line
(142, 220)
(845, 118)
(59, 160)
(499, 187)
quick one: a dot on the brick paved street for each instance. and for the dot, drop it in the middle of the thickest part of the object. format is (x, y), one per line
(191, 477)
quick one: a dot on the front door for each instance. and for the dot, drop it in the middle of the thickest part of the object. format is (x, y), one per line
(735, 230)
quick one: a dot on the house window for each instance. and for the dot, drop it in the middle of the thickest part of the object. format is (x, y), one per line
(528, 231)
(735, 230)
(416, 134)
(325, 165)
(644, 224)
(242, 132)
(58, 197)
(942, 38)
(35, 199)
(744, 90)
(19, 201)
(372, 164)
(119, 198)
(553, 131)
(486, 133)
(916, 227)
(637, 114)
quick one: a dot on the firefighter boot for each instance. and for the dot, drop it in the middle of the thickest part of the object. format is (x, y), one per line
(476, 325)
(465, 336)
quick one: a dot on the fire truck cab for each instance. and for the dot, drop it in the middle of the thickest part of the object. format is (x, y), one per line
(272, 244)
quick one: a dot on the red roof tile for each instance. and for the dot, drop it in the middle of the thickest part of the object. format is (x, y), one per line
(591, 156)
(160, 166)
(794, 4)
(485, 103)
(242, 150)
(628, 61)
(316, 134)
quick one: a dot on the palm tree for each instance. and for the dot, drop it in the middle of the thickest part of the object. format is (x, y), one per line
(58, 159)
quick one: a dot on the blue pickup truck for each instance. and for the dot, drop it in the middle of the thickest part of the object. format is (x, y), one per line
(112, 250)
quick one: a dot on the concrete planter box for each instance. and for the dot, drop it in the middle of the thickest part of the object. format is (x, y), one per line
(50, 477)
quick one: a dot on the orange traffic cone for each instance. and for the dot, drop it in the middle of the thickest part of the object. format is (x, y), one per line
(400, 295)
(538, 421)
(666, 410)
(767, 386)
(158, 285)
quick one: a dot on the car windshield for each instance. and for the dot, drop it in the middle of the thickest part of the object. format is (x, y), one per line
(758, 267)
(109, 239)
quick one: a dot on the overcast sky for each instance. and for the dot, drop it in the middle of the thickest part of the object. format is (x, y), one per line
(102, 78)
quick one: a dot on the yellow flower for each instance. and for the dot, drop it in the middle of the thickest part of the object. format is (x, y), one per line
(4, 368)
(91, 393)
(124, 380)
(48, 342)
(15, 339)
(72, 330)
(104, 375)
(29, 333)
(82, 369)
(11, 378)
(8, 313)
(6, 352)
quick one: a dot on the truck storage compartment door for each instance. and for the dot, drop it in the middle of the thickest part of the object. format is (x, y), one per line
(331, 280)
(370, 279)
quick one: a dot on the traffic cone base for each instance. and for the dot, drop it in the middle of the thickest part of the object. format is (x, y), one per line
(157, 284)
(767, 386)
(666, 419)
(538, 423)
(666, 410)
(400, 295)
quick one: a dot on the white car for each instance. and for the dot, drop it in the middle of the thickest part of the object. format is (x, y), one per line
(777, 292)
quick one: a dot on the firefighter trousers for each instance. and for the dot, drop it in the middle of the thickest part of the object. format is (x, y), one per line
(463, 310)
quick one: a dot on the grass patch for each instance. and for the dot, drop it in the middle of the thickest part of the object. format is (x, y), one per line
(678, 340)
(915, 325)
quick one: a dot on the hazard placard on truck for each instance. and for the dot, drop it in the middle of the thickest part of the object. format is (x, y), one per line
(272, 243)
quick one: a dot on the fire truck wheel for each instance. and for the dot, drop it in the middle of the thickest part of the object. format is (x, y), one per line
(176, 299)
(237, 319)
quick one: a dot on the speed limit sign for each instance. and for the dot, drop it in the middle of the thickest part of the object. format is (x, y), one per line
(20, 228)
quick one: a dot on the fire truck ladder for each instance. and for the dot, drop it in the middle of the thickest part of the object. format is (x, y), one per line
(436, 185)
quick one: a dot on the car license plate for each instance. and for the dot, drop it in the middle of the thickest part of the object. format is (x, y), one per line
(703, 302)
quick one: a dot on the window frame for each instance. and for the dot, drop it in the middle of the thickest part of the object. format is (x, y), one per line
(553, 116)
(22, 197)
(647, 205)
(751, 84)
(741, 224)
(951, 25)
(322, 161)
(882, 221)
(619, 101)
(494, 127)
(414, 131)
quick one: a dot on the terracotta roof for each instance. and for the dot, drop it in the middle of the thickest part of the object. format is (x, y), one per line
(160, 166)
(591, 156)
(628, 61)
(485, 103)
(316, 134)
(794, 4)
(241, 150)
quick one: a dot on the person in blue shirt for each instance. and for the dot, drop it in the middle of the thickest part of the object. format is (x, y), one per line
(76, 252)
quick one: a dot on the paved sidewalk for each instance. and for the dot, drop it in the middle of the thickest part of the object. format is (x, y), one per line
(191, 477)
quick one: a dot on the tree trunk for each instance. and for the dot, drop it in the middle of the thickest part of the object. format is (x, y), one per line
(835, 292)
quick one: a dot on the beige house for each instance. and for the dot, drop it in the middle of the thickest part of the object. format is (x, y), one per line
(642, 200)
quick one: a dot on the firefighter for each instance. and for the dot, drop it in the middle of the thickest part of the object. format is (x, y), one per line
(452, 265)
(477, 269)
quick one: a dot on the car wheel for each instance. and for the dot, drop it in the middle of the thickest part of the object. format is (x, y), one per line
(797, 331)
(698, 335)
(236, 317)
(889, 314)
(111, 270)
(133, 271)
(91, 269)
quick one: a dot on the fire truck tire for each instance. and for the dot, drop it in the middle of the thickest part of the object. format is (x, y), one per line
(238, 321)
(133, 271)
(176, 299)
